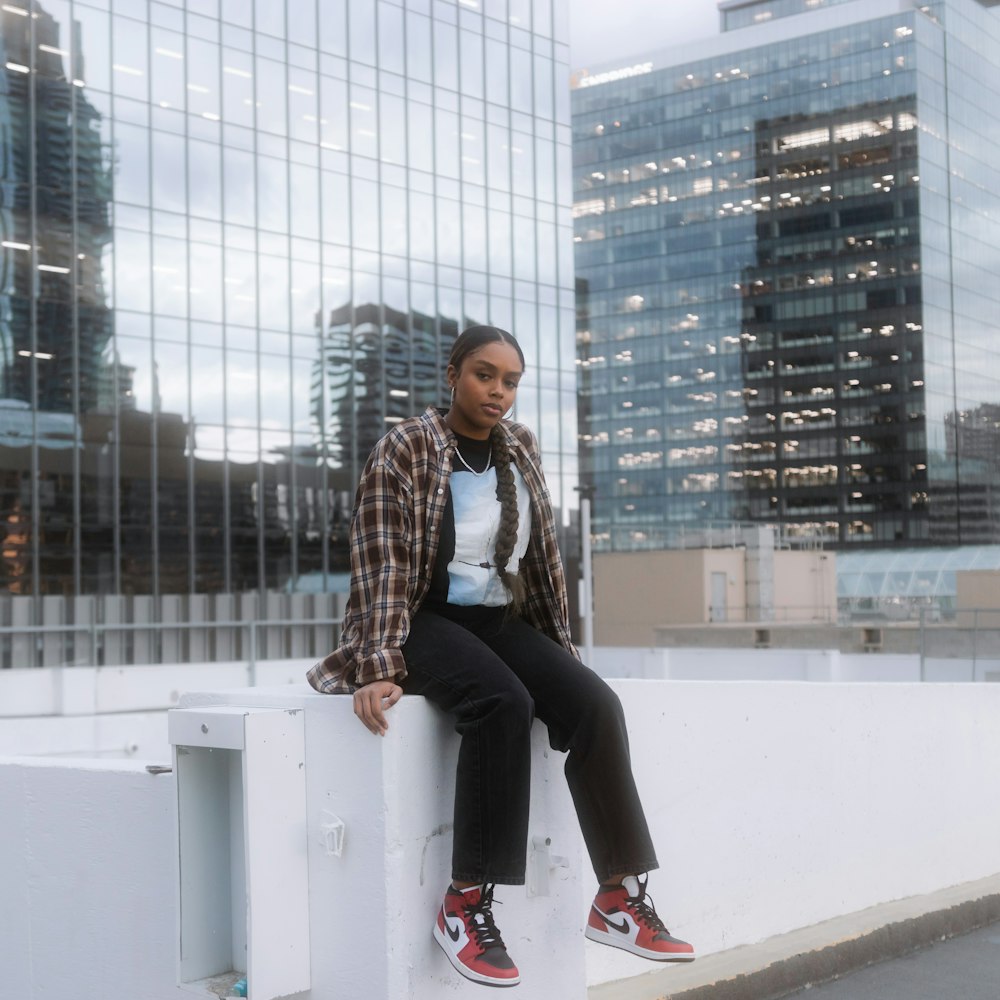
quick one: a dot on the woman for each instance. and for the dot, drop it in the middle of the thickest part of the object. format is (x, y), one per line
(458, 594)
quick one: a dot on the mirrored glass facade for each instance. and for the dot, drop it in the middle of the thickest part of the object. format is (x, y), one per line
(238, 239)
(786, 294)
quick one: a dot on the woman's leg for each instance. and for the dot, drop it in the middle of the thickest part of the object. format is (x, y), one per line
(585, 718)
(493, 712)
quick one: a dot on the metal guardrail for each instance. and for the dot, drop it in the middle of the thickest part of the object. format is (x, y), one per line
(27, 646)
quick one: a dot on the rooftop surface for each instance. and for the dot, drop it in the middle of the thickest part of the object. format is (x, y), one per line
(966, 967)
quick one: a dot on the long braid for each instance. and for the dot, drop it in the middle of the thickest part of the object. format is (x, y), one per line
(507, 532)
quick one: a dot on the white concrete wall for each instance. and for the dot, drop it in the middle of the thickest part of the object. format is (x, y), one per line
(114, 711)
(119, 712)
(774, 805)
(784, 665)
(87, 877)
(778, 805)
(371, 910)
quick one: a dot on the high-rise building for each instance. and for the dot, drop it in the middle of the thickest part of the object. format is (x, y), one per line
(787, 244)
(238, 239)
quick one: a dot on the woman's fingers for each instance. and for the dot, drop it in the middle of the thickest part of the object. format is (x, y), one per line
(371, 701)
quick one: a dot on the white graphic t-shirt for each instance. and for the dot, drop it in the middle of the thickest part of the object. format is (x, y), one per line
(472, 575)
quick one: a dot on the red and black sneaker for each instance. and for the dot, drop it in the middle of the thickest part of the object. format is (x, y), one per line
(469, 937)
(623, 916)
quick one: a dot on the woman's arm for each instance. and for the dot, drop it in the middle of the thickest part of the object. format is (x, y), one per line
(381, 542)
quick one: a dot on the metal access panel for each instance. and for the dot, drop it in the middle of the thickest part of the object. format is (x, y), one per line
(242, 852)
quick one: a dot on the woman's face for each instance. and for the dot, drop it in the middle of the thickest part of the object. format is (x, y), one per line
(485, 387)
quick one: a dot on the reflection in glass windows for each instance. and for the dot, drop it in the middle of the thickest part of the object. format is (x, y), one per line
(783, 314)
(231, 260)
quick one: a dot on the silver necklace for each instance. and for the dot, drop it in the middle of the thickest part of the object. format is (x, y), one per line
(489, 458)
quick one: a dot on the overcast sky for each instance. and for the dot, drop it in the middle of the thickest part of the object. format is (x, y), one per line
(608, 30)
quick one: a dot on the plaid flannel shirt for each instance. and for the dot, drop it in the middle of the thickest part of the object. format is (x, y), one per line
(394, 541)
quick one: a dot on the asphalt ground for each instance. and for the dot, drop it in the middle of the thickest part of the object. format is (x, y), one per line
(960, 968)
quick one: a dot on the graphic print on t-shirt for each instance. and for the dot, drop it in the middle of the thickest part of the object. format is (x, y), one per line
(472, 575)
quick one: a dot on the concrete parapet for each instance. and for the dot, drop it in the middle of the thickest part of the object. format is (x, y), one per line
(373, 896)
(774, 806)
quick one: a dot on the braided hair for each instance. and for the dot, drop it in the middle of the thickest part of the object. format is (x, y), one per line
(469, 341)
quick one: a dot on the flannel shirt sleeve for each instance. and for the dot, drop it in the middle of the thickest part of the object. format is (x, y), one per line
(546, 605)
(381, 547)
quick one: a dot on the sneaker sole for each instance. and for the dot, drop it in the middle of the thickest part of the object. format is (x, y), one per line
(622, 945)
(464, 970)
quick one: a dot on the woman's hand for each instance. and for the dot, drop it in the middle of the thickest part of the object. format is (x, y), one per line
(371, 701)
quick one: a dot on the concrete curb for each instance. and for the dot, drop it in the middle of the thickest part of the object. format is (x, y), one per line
(781, 965)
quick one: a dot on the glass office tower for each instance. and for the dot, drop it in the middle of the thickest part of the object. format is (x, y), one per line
(787, 243)
(238, 239)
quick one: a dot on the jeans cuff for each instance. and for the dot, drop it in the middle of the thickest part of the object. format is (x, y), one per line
(481, 877)
(649, 865)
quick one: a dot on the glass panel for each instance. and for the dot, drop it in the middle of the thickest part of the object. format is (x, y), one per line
(305, 296)
(364, 122)
(274, 292)
(362, 26)
(445, 55)
(206, 282)
(270, 17)
(365, 214)
(524, 248)
(207, 376)
(473, 152)
(418, 46)
(238, 189)
(132, 271)
(170, 281)
(132, 164)
(240, 287)
(271, 95)
(203, 163)
(520, 79)
(472, 64)
(522, 161)
(302, 23)
(393, 214)
(167, 78)
(91, 34)
(392, 129)
(169, 175)
(333, 123)
(449, 233)
(203, 79)
(272, 194)
(302, 105)
(237, 87)
(336, 211)
(446, 143)
(390, 38)
(496, 71)
(275, 399)
(421, 125)
(130, 72)
(304, 192)
(241, 387)
(474, 230)
(333, 27)
(422, 226)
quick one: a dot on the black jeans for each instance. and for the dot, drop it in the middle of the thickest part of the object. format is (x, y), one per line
(494, 674)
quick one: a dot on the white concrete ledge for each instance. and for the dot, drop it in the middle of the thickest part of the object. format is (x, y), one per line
(372, 908)
(774, 806)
